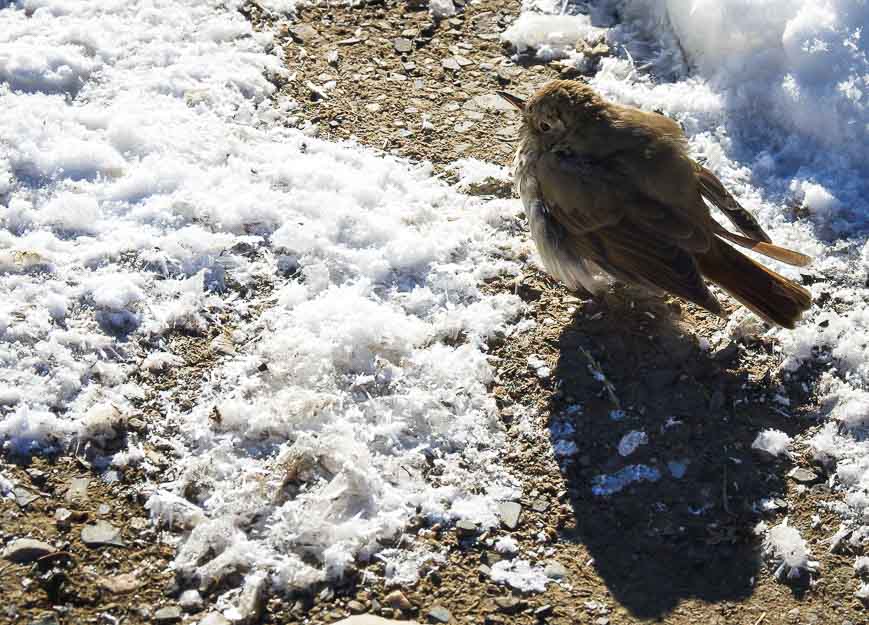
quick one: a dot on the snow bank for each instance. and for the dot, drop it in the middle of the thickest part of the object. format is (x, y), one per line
(142, 185)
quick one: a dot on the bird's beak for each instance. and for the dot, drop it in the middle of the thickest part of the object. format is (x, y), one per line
(519, 103)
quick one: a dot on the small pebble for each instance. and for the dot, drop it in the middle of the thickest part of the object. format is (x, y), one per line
(168, 614)
(190, 601)
(100, 534)
(397, 600)
(555, 570)
(439, 614)
(509, 512)
(25, 550)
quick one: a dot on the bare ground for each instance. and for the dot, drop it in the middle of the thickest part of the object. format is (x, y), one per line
(678, 551)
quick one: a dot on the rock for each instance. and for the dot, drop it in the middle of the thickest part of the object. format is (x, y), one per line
(214, 618)
(78, 489)
(555, 570)
(23, 550)
(62, 516)
(356, 607)
(466, 528)
(120, 584)
(101, 534)
(168, 614)
(540, 505)
(222, 345)
(451, 64)
(726, 354)
(488, 103)
(438, 614)
(36, 476)
(370, 619)
(24, 496)
(397, 600)
(603, 620)
(332, 58)
(251, 602)
(509, 604)
(484, 571)
(402, 45)
(803, 476)
(304, 33)
(509, 512)
(190, 601)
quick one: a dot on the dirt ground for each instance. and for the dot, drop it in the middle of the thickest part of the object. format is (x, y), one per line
(679, 551)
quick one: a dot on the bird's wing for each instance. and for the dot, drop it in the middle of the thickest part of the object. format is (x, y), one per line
(585, 195)
(712, 189)
(632, 236)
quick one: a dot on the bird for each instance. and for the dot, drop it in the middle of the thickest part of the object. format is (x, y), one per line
(610, 193)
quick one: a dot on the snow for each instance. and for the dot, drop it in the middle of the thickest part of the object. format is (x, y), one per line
(143, 183)
(610, 484)
(507, 545)
(520, 574)
(773, 442)
(788, 551)
(550, 36)
(631, 441)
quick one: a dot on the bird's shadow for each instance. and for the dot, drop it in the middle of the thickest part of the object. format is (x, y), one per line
(687, 529)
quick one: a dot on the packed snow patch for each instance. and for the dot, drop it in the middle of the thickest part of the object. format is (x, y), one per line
(550, 36)
(143, 187)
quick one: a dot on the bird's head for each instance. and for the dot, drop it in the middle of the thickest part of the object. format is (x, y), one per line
(557, 110)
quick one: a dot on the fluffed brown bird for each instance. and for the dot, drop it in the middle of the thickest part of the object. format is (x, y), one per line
(609, 187)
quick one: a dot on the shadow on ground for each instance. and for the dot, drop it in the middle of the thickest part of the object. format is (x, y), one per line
(685, 535)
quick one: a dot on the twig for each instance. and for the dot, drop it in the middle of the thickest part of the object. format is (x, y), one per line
(760, 620)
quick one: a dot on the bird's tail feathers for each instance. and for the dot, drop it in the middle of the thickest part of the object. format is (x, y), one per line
(767, 249)
(766, 293)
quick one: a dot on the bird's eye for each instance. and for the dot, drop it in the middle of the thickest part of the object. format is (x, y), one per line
(545, 127)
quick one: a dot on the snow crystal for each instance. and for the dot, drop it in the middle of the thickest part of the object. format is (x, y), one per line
(784, 546)
(773, 442)
(402, 566)
(610, 484)
(631, 441)
(520, 574)
(507, 545)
